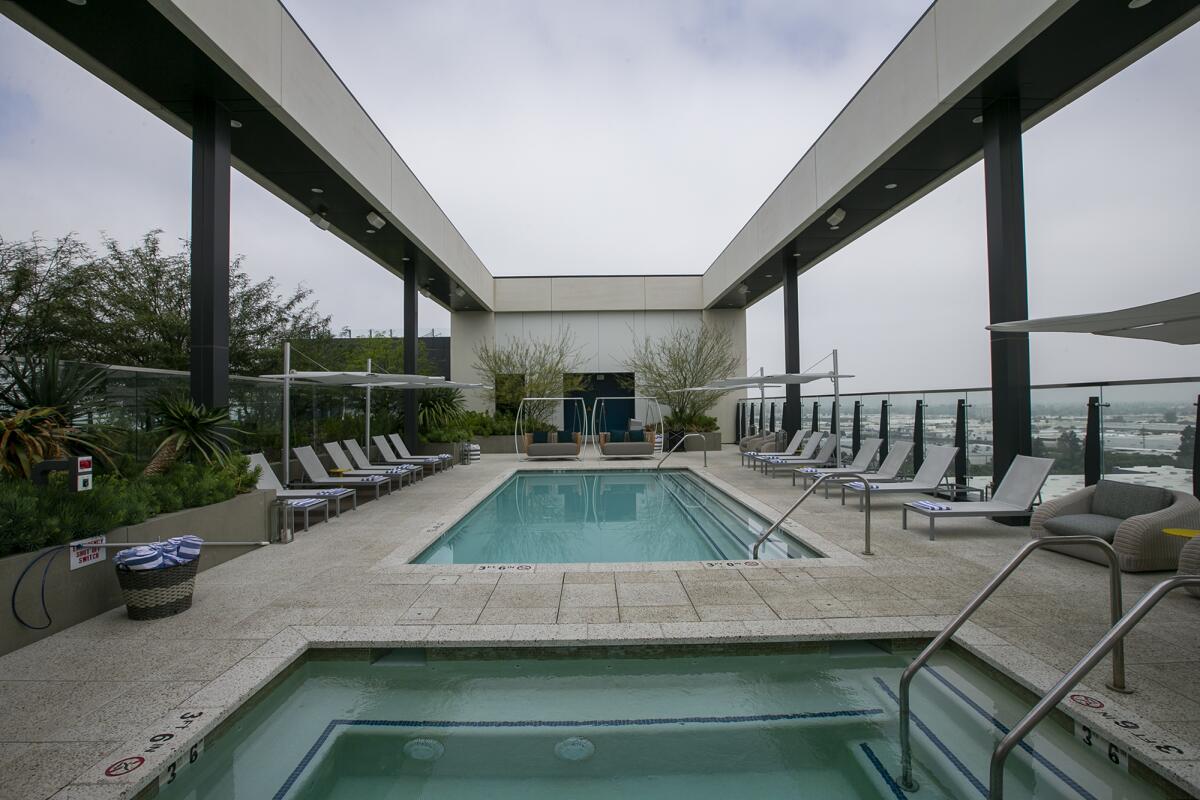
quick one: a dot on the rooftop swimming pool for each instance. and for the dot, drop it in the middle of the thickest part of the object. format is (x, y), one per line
(578, 516)
(816, 723)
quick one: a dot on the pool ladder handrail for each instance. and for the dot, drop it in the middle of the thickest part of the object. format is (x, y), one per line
(683, 439)
(1111, 641)
(841, 477)
(1118, 680)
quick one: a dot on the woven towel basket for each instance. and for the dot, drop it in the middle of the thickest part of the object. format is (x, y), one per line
(158, 593)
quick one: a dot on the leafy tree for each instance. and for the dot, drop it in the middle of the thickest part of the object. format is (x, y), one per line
(684, 358)
(131, 306)
(1187, 447)
(549, 368)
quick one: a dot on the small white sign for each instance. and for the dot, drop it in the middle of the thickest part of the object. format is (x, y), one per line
(732, 564)
(84, 552)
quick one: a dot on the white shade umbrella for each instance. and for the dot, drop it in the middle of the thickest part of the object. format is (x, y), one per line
(1176, 321)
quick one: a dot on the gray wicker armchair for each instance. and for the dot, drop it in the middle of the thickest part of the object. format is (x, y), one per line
(1129, 516)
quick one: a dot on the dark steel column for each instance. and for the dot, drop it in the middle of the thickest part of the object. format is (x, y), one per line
(919, 436)
(1007, 287)
(1196, 452)
(884, 429)
(1092, 443)
(856, 430)
(410, 353)
(960, 441)
(792, 411)
(210, 254)
(816, 423)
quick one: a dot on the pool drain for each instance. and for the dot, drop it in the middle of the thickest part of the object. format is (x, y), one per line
(424, 749)
(574, 748)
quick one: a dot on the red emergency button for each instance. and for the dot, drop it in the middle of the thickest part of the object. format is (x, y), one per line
(83, 463)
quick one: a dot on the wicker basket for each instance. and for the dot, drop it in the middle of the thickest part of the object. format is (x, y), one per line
(158, 593)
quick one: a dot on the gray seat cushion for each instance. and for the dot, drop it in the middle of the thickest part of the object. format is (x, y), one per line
(1125, 500)
(626, 449)
(551, 450)
(1084, 525)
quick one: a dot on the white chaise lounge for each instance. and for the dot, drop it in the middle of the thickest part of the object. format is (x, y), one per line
(389, 457)
(799, 439)
(268, 481)
(445, 460)
(315, 474)
(938, 459)
(822, 457)
(405, 473)
(1013, 497)
(867, 451)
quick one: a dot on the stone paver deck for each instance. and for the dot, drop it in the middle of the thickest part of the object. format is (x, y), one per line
(80, 697)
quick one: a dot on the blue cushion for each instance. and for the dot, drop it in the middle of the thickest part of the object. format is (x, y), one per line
(635, 436)
(1125, 500)
(616, 436)
(540, 437)
(1084, 525)
(566, 437)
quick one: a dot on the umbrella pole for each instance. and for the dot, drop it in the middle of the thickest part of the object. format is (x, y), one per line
(837, 425)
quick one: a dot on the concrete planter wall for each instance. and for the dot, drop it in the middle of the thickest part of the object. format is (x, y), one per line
(496, 444)
(712, 441)
(78, 595)
(438, 448)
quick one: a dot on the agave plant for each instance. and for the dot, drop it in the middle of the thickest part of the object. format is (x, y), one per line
(32, 435)
(439, 408)
(188, 427)
(48, 382)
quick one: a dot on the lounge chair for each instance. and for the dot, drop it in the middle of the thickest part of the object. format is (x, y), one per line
(1013, 497)
(361, 461)
(315, 472)
(938, 460)
(862, 459)
(562, 444)
(402, 472)
(1130, 516)
(445, 459)
(887, 471)
(432, 463)
(807, 449)
(306, 504)
(268, 481)
(627, 444)
(799, 438)
(824, 454)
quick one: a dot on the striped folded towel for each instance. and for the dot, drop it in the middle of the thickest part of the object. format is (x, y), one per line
(330, 492)
(304, 502)
(812, 471)
(143, 557)
(186, 547)
(860, 485)
(930, 505)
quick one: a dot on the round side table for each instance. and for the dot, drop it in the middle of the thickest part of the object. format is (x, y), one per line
(1189, 556)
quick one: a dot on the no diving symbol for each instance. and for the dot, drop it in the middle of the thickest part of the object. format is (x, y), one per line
(1086, 701)
(124, 766)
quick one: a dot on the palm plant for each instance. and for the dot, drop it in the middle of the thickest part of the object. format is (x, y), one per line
(439, 408)
(32, 435)
(189, 427)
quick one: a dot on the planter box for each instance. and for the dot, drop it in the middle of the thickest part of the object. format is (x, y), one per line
(496, 444)
(712, 441)
(73, 596)
(453, 449)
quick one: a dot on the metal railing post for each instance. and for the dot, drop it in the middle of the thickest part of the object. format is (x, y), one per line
(683, 439)
(907, 782)
(846, 476)
(1110, 641)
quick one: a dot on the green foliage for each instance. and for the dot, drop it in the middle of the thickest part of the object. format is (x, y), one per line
(1187, 447)
(131, 306)
(523, 368)
(693, 423)
(480, 423)
(685, 358)
(188, 428)
(32, 517)
(439, 408)
(36, 434)
(46, 382)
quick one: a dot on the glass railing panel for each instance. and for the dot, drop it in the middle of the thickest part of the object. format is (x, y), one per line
(1149, 433)
(1059, 423)
(979, 437)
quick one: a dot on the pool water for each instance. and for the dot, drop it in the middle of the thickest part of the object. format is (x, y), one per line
(818, 724)
(577, 516)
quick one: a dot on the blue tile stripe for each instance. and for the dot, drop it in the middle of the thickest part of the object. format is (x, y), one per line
(938, 743)
(555, 723)
(888, 780)
(1000, 726)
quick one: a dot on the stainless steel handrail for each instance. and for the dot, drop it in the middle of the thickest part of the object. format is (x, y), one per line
(1114, 589)
(1110, 641)
(683, 439)
(841, 476)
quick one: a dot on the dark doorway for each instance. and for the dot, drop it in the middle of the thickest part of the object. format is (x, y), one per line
(606, 384)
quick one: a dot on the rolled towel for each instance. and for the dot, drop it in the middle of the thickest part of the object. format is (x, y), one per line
(143, 557)
(187, 547)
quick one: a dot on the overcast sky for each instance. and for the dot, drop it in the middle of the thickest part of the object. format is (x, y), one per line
(638, 137)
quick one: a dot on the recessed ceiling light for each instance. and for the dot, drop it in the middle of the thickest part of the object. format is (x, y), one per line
(833, 227)
(77, 2)
(406, 258)
(1138, 3)
(977, 119)
(836, 217)
(889, 186)
(233, 123)
(796, 255)
(768, 275)
(370, 230)
(318, 190)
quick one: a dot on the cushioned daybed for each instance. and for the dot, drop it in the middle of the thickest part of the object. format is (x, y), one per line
(627, 444)
(557, 444)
